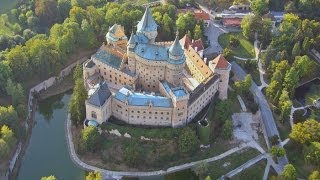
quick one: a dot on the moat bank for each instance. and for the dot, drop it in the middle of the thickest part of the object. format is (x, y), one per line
(47, 153)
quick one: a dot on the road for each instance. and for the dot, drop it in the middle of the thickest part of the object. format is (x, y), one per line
(266, 113)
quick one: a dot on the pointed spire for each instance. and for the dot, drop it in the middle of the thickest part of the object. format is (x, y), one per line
(131, 40)
(147, 23)
(176, 48)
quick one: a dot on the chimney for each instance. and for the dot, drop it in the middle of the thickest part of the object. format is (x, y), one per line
(205, 60)
(196, 48)
(192, 41)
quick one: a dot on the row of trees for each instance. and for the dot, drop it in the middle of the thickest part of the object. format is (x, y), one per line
(187, 24)
(285, 79)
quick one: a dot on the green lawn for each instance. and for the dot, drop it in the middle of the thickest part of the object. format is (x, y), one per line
(7, 5)
(255, 172)
(227, 164)
(244, 50)
(313, 94)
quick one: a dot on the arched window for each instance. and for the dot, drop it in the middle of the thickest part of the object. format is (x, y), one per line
(94, 115)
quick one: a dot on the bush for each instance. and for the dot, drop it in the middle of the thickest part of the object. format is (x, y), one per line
(274, 140)
(227, 53)
(90, 140)
(234, 42)
(188, 140)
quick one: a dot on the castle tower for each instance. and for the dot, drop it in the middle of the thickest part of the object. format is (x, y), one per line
(176, 63)
(222, 67)
(130, 52)
(148, 26)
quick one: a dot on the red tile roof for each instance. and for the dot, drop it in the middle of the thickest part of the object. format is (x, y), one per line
(221, 62)
(201, 15)
(231, 21)
(198, 43)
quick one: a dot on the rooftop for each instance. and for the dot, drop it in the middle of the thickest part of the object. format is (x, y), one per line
(201, 15)
(177, 91)
(108, 58)
(221, 62)
(140, 99)
(235, 21)
(147, 22)
(152, 52)
(99, 97)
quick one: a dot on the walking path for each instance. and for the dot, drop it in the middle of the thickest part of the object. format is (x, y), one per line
(266, 171)
(268, 121)
(109, 173)
(243, 106)
(244, 166)
(293, 109)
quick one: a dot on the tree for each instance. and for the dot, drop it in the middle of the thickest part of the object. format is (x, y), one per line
(187, 140)
(77, 73)
(234, 42)
(277, 151)
(315, 175)
(273, 91)
(260, 7)
(227, 129)
(312, 153)
(64, 7)
(223, 110)
(291, 81)
(167, 26)
(305, 132)
(4, 149)
(16, 92)
(285, 105)
(90, 140)
(94, 176)
(7, 135)
(197, 32)
(5, 74)
(201, 170)
(243, 87)
(47, 11)
(289, 172)
(132, 153)
(227, 53)
(77, 103)
(49, 178)
(296, 50)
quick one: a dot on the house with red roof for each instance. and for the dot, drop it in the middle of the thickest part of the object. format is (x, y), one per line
(201, 15)
(197, 45)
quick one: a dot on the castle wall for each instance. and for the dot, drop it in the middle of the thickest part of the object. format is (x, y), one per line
(198, 104)
(224, 83)
(150, 73)
(174, 73)
(142, 115)
(99, 114)
(114, 76)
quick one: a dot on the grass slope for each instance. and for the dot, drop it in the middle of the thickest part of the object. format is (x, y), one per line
(244, 50)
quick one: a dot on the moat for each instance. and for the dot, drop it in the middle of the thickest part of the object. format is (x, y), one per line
(47, 152)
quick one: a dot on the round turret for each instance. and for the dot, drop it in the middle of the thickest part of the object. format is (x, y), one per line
(131, 42)
(176, 52)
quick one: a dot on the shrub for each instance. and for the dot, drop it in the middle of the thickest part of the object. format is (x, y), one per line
(234, 42)
(188, 140)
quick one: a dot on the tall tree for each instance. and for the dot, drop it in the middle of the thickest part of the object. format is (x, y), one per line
(197, 32)
(77, 103)
(260, 7)
(289, 172)
(47, 11)
(90, 139)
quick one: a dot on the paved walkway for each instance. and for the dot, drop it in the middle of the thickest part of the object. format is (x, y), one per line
(242, 104)
(268, 121)
(117, 174)
(244, 166)
(266, 171)
(293, 109)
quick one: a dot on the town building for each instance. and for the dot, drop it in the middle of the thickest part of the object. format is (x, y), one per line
(143, 82)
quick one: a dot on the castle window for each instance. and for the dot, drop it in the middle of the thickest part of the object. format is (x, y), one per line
(161, 112)
(132, 111)
(94, 115)
(167, 113)
(138, 111)
(119, 106)
(110, 76)
(156, 112)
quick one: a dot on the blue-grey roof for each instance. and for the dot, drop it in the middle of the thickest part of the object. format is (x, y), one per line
(176, 48)
(99, 97)
(112, 30)
(147, 22)
(108, 58)
(139, 99)
(177, 91)
(152, 52)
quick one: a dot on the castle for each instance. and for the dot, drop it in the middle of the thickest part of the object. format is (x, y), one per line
(144, 82)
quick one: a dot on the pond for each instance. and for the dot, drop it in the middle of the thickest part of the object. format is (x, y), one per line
(47, 153)
(305, 93)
